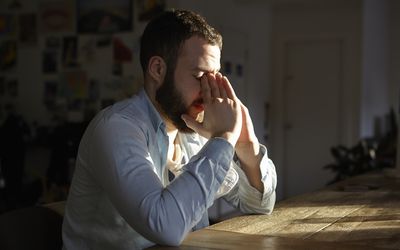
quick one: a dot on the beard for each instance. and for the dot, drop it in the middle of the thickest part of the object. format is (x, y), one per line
(172, 103)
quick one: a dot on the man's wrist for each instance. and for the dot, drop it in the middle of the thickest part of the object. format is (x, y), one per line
(249, 153)
(228, 136)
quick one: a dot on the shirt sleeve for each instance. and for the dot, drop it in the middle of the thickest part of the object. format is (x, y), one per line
(122, 165)
(247, 198)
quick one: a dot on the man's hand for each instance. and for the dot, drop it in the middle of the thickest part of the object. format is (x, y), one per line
(247, 147)
(222, 110)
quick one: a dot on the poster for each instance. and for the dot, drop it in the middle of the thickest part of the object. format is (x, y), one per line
(50, 59)
(70, 51)
(56, 16)
(8, 55)
(150, 8)
(7, 25)
(104, 16)
(75, 85)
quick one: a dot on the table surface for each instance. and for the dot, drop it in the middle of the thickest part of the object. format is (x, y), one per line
(360, 213)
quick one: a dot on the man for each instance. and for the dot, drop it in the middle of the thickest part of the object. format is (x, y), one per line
(148, 168)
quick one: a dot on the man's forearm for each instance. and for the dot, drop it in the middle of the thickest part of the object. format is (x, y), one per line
(250, 158)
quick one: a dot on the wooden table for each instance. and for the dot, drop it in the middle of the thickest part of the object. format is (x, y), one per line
(359, 213)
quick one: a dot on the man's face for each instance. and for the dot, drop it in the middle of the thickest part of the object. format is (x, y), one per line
(180, 92)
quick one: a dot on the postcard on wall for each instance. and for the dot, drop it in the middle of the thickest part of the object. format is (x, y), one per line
(8, 55)
(7, 26)
(27, 29)
(70, 51)
(50, 61)
(75, 84)
(56, 16)
(104, 16)
(148, 9)
(122, 53)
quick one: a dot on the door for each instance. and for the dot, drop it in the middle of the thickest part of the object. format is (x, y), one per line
(312, 105)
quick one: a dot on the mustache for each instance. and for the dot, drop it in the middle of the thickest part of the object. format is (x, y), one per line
(198, 101)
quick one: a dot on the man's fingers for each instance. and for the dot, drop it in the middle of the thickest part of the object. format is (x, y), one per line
(213, 85)
(228, 87)
(205, 90)
(221, 86)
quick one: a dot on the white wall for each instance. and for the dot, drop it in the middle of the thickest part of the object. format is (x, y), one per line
(310, 20)
(375, 101)
(394, 58)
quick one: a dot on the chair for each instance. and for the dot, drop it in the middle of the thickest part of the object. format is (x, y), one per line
(32, 228)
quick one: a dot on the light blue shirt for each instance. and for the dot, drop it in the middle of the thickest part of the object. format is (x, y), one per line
(121, 196)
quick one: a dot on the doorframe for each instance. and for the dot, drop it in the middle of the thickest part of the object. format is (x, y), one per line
(349, 92)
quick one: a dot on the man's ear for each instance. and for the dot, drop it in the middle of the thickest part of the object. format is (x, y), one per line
(157, 69)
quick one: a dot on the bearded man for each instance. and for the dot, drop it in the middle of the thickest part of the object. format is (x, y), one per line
(149, 167)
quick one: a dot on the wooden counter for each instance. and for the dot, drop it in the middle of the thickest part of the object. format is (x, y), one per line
(359, 213)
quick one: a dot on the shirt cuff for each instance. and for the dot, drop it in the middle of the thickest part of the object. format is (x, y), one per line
(268, 178)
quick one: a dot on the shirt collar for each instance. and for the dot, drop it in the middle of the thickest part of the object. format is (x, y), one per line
(155, 117)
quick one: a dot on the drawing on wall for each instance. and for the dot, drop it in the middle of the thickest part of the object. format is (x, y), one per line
(27, 29)
(150, 8)
(49, 64)
(75, 84)
(8, 55)
(7, 25)
(70, 51)
(122, 53)
(104, 16)
(56, 16)
(87, 50)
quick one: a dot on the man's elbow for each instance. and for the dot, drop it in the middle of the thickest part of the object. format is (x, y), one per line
(167, 238)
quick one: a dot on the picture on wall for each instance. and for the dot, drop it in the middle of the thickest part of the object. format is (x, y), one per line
(70, 51)
(50, 61)
(56, 16)
(74, 84)
(7, 25)
(8, 55)
(104, 16)
(150, 8)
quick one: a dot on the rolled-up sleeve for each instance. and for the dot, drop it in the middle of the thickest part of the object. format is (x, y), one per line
(125, 170)
(247, 198)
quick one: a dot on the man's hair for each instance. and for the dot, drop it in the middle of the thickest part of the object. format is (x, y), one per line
(165, 35)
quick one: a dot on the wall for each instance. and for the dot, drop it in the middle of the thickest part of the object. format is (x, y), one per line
(42, 95)
(312, 20)
(375, 101)
(394, 59)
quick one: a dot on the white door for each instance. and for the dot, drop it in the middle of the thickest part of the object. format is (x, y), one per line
(312, 104)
